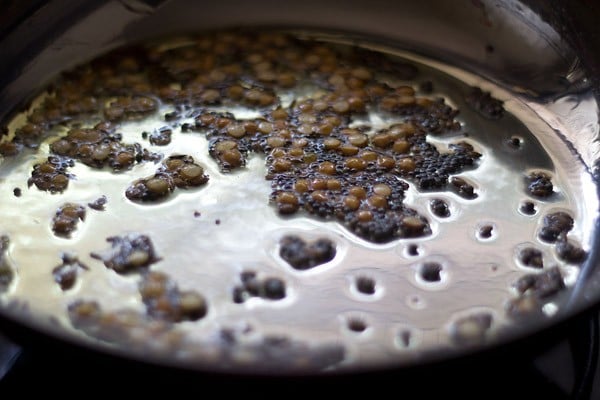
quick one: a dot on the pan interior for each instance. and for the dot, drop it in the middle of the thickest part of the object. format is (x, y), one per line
(288, 202)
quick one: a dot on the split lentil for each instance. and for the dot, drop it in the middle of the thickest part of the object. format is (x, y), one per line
(99, 204)
(66, 273)
(542, 285)
(66, 219)
(165, 301)
(175, 172)
(128, 253)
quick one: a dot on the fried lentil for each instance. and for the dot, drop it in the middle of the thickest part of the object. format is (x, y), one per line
(175, 172)
(130, 108)
(99, 204)
(523, 307)
(161, 137)
(129, 253)
(164, 300)
(51, 175)
(100, 146)
(66, 273)
(123, 326)
(311, 139)
(472, 328)
(66, 218)
(542, 285)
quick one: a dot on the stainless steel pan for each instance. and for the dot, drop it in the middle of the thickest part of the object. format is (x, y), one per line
(541, 53)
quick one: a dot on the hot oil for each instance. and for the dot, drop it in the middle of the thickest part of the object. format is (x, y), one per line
(373, 303)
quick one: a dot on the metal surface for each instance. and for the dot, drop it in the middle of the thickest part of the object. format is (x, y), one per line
(505, 47)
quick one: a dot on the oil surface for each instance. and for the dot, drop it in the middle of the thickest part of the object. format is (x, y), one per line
(373, 303)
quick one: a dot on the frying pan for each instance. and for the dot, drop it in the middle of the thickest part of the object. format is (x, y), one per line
(541, 50)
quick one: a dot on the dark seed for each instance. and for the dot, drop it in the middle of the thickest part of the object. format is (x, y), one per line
(431, 272)
(274, 289)
(365, 285)
(531, 257)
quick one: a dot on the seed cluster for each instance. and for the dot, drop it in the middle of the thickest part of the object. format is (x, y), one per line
(568, 251)
(318, 159)
(471, 328)
(539, 184)
(555, 229)
(129, 253)
(543, 284)
(302, 255)
(463, 188)
(165, 301)
(51, 175)
(554, 226)
(310, 103)
(130, 107)
(165, 305)
(532, 289)
(161, 137)
(96, 147)
(132, 329)
(483, 102)
(269, 288)
(175, 172)
(99, 147)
